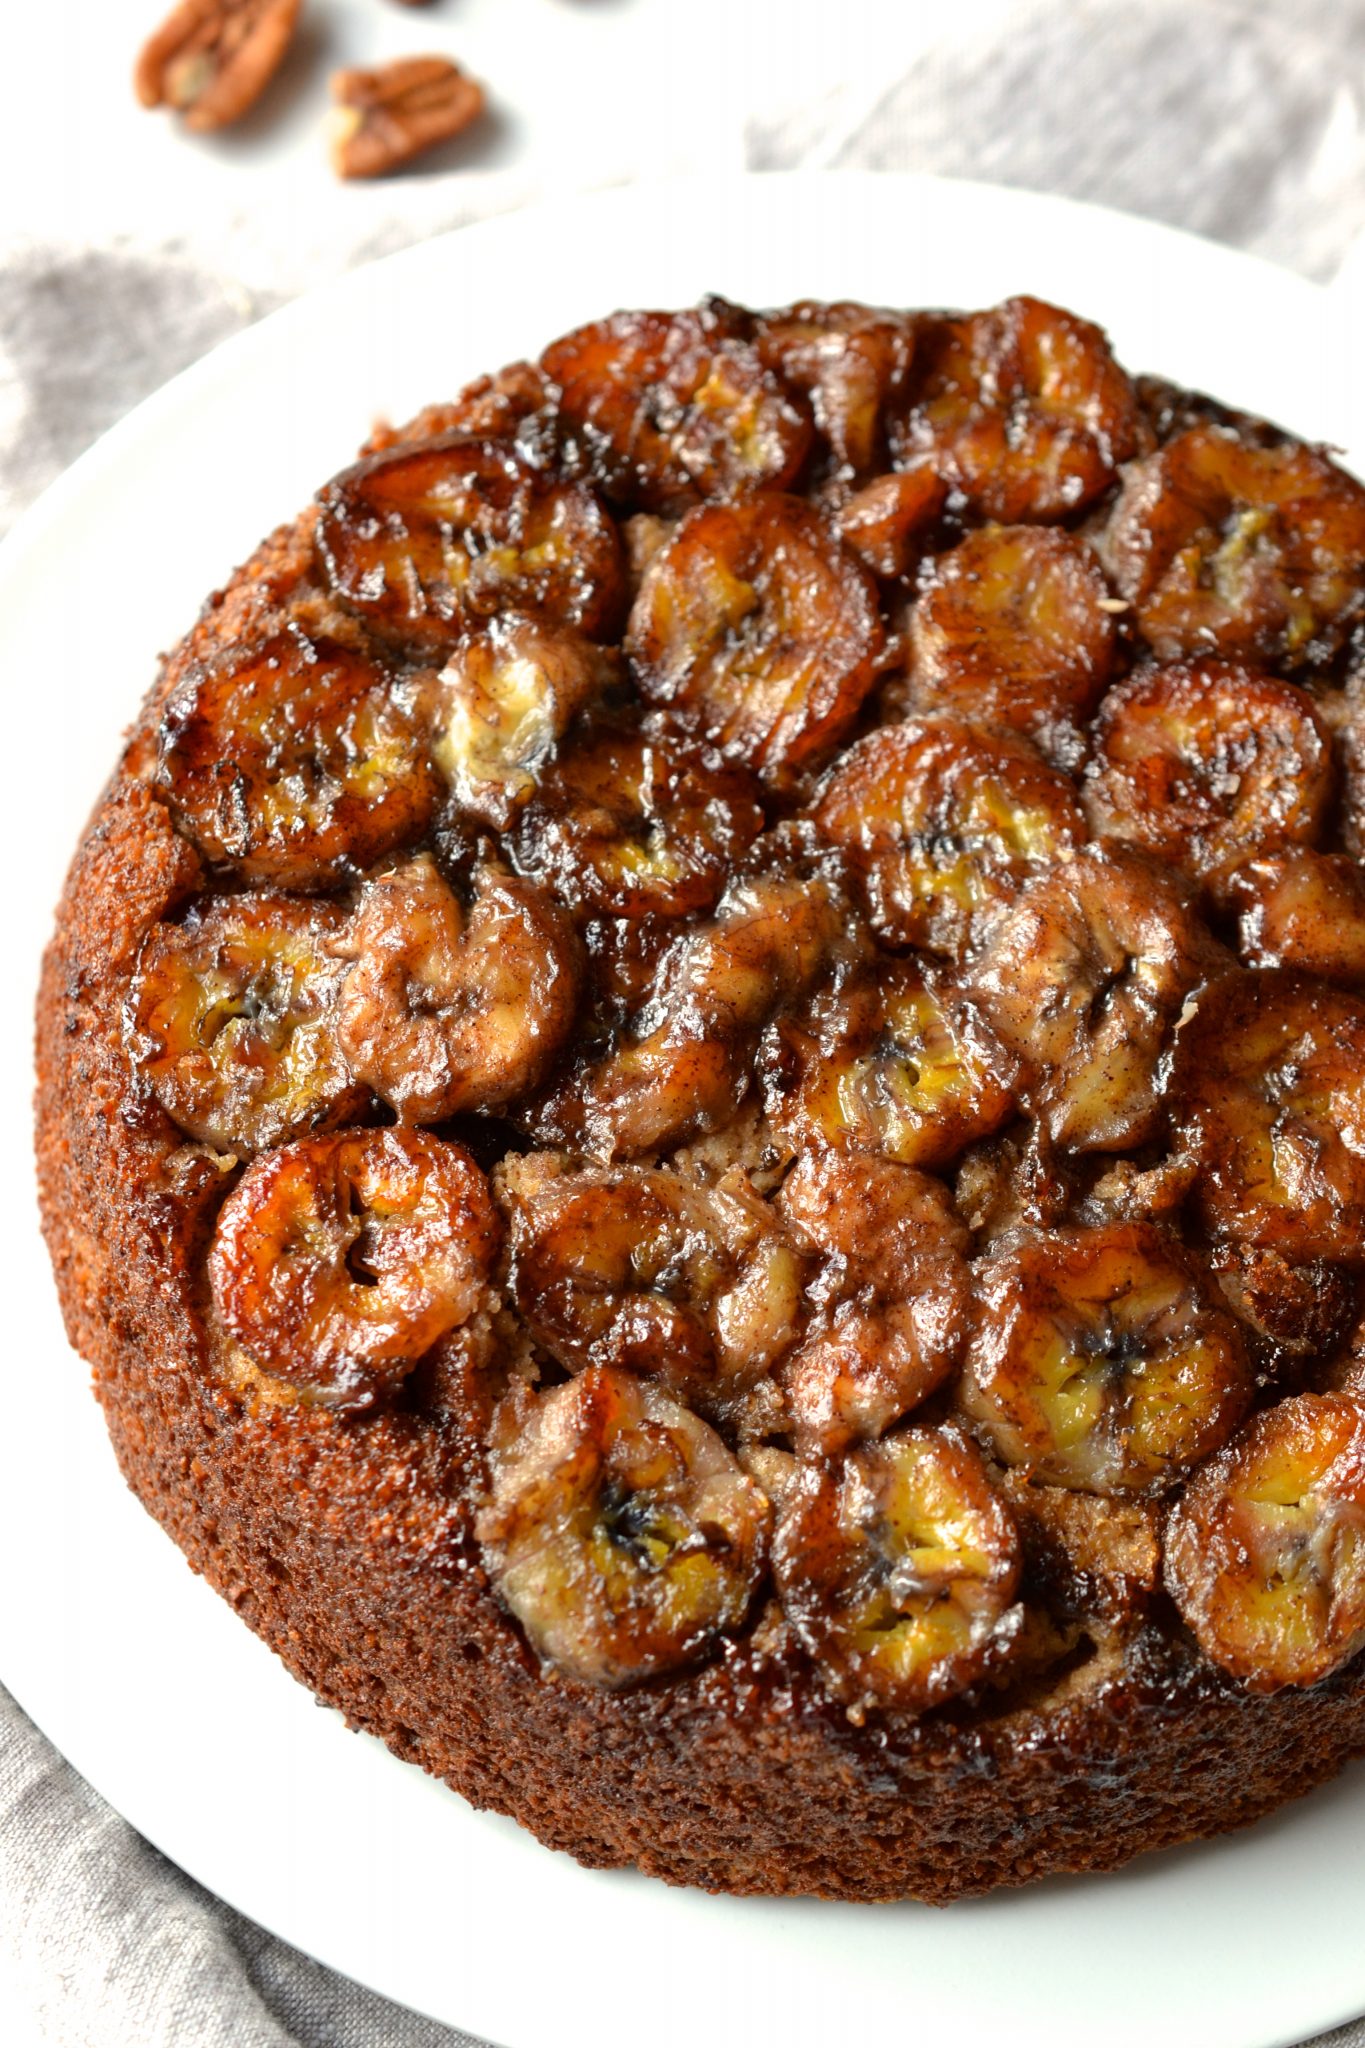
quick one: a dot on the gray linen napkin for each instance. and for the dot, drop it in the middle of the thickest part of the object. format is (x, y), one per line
(1245, 122)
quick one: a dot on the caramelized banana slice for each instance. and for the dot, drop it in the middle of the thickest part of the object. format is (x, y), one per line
(339, 1260)
(943, 822)
(888, 522)
(294, 760)
(497, 407)
(427, 540)
(898, 1571)
(1208, 764)
(1302, 909)
(759, 632)
(890, 1299)
(632, 824)
(1082, 980)
(1253, 553)
(686, 1063)
(230, 1021)
(620, 1533)
(635, 1267)
(672, 407)
(851, 363)
(448, 1009)
(1103, 1361)
(1269, 1082)
(1014, 627)
(881, 1063)
(501, 705)
(1265, 1554)
(1023, 409)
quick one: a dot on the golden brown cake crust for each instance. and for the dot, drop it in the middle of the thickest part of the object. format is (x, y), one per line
(347, 1542)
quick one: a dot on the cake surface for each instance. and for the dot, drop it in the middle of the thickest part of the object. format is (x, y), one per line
(702, 1100)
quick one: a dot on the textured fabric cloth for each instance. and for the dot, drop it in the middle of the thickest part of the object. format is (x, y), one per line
(1244, 122)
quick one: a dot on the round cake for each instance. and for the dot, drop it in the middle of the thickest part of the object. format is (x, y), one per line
(702, 1100)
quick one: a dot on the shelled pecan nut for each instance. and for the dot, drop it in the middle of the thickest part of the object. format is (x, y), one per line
(385, 117)
(212, 59)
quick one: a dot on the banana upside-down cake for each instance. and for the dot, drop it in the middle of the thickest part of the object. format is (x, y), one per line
(702, 1100)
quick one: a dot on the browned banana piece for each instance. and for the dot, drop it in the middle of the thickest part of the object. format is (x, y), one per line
(638, 824)
(1103, 1360)
(1023, 410)
(684, 1064)
(1301, 1313)
(667, 408)
(881, 1062)
(231, 1019)
(636, 1267)
(1014, 627)
(891, 1296)
(1081, 981)
(943, 822)
(759, 632)
(1302, 909)
(852, 364)
(887, 523)
(1209, 764)
(899, 1570)
(426, 541)
(620, 1533)
(1254, 553)
(294, 760)
(496, 408)
(451, 1007)
(338, 1261)
(1268, 1093)
(1265, 1553)
(502, 704)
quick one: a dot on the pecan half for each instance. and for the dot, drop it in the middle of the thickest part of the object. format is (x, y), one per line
(212, 59)
(385, 117)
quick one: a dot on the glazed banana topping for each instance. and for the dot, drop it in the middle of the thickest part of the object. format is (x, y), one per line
(448, 1007)
(1014, 626)
(942, 822)
(339, 1261)
(662, 409)
(1269, 1078)
(882, 1062)
(232, 1018)
(425, 541)
(501, 705)
(759, 632)
(620, 1531)
(630, 1266)
(899, 1568)
(1302, 909)
(852, 364)
(1023, 410)
(1209, 765)
(685, 1063)
(1081, 984)
(1224, 545)
(638, 824)
(295, 759)
(889, 1297)
(770, 942)
(1265, 1554)
(1102, 1361)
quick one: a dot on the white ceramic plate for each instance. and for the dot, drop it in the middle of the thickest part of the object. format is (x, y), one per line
(147, 1681)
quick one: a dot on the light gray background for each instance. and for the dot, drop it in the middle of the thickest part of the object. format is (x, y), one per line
(127, 250)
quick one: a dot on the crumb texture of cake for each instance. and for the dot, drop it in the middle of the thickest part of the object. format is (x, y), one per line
(701, 1100)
